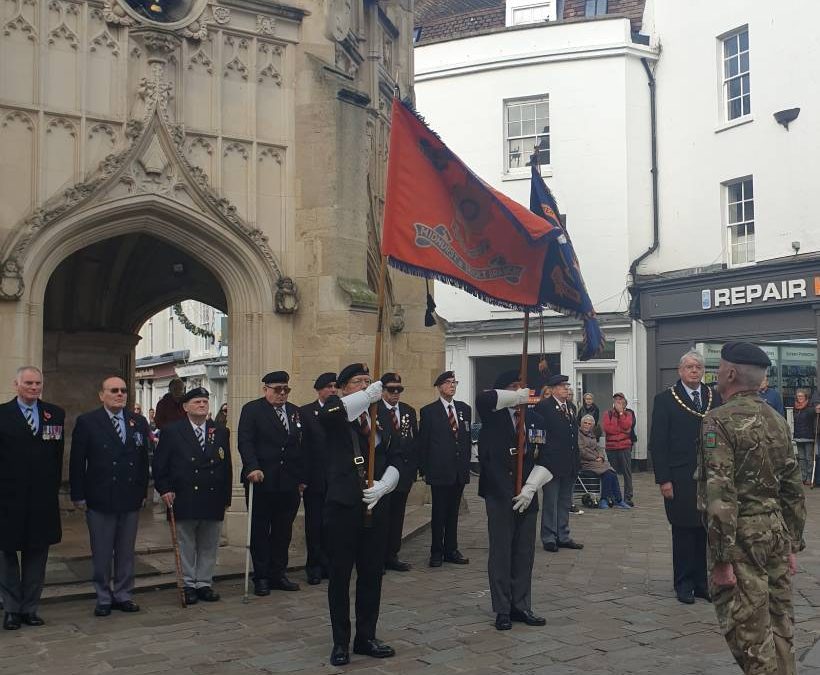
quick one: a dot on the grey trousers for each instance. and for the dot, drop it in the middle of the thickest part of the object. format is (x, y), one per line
(555, 514)
(113, 537)
(621, 461)
(805, 459)
(21, 580)
(198, 543)
(511, 555)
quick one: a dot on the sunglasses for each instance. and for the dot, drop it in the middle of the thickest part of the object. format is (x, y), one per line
(118, 390)
(279, 389)
(394, 390)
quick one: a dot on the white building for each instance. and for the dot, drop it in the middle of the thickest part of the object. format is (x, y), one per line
(578, 89)
(185, 340)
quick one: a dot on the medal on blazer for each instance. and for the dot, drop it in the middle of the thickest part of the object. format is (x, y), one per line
(221, 453)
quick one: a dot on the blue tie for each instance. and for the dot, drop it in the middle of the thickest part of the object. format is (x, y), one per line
(696, 400)
(118, 427)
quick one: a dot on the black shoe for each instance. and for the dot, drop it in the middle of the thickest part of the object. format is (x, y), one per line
(207, 594)
(375, 648)
(551, 546)
(102, 610)
(686, 596)
(261, 587)
(569, 543)
(397, 565)
(11, 621)
(435, 560)
(339, 656)
(502, 622)
(629, 501)
(126, 606)
(191, 597)
(527, 617)
(456, 558)
(31, 619)
(284, 584)
(314, 575)
(701, 592)
(314, 581)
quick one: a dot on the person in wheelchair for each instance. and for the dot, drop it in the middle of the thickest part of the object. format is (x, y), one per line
(593, 462)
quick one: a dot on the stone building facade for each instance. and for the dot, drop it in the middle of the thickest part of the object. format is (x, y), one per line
(231, 153)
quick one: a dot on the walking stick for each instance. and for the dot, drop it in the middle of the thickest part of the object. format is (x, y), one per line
(248, 542)
(175, 542)
(814, 449)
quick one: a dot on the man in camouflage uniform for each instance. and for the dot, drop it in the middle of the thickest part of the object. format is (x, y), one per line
(750, 492)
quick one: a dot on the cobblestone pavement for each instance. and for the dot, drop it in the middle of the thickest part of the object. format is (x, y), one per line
(610, 610)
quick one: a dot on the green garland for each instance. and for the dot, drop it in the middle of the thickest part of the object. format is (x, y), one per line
(190, 326)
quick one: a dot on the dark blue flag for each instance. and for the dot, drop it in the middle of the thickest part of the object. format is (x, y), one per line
(563, 287)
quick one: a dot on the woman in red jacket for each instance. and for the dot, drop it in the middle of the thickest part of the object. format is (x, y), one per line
(619, 427)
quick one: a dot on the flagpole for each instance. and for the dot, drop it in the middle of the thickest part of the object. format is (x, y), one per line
(522, 411)
(377, 365)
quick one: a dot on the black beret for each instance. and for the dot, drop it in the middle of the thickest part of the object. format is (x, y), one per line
(276, 377)
(324, 380)
(388, 378)
(196, 392)
(556, 380)
(446, 375)
(506, 379)
(351, 371)
(745, 353)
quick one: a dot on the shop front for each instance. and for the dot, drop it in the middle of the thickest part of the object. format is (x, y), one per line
(775, 305)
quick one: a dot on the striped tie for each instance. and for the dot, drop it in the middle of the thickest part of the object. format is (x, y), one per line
(118, 427)
(200, 437)
(696, 400)
(395, 417)
(29, 415)
(282, 418)
(451, 418)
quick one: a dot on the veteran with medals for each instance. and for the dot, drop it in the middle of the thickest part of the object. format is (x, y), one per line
(192, 473)
(31, 465)
(673, 440)
(511, 518)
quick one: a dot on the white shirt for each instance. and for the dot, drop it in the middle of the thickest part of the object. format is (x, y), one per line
(201, 427)
(393, 409)
(447, 404)
(691, 392)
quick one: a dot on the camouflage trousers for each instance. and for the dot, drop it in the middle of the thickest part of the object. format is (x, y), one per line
(756, 616)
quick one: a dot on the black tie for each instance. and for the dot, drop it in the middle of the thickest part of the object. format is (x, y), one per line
(696, 400)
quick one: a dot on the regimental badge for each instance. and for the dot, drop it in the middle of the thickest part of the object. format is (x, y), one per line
(221, 453)
(710, 439)
(316, 413)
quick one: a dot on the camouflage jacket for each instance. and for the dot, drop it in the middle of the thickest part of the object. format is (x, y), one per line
(746, 467)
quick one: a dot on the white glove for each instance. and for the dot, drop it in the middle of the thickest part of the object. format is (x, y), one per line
(385, 485)
(538, 478)
(374, 391)
(355, 404)
(510, 399)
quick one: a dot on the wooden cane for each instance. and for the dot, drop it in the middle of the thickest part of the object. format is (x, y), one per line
(175, 542)
(248, 541)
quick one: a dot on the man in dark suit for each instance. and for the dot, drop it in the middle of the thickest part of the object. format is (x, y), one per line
(314, 443)
(355, 535)
(31, 465)
(562, 459)
(397, 424)
(108, 471)
(673, 441)
(192, 473)
(444, 450)
(511, 517)
(270, 443)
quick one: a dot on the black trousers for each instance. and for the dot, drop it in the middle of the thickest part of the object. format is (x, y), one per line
(350, 543)
(271, 528)
(22, 579)
(398, 503)
(316, 563)
(689, 558)
(512, 552)
(444, 525)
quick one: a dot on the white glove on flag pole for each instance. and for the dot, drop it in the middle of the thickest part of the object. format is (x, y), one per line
(385, 485)
(358, 402)
(510, 399)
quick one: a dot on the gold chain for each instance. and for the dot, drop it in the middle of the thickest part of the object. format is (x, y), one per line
(687, 408)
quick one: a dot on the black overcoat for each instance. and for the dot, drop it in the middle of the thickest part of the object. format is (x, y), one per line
(445, 457)
(560, 452)
(314, 443)
(30, 473)
(406, 437)
(265, 444)
(109, 475)
(201, 481)
(673, 443)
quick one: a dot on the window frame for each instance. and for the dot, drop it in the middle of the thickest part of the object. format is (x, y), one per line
(726, 80)
(598, 7)
(731, 226)
(521, 101)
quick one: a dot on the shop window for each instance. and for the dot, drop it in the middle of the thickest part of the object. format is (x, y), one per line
(740, 221)
(736, 76)
(526, 125)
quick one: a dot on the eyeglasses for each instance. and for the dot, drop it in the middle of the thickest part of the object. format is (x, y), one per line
(118, 390)
(279, 389)
(360, 380)
(394, 390)
(453, 382)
